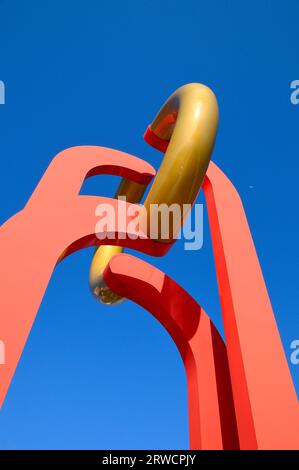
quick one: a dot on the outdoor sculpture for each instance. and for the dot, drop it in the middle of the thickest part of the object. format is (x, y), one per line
(240, 394)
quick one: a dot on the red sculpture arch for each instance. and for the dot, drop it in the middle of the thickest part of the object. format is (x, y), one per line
(57, 220)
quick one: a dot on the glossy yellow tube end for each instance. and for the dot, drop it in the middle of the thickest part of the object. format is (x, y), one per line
(100, 259)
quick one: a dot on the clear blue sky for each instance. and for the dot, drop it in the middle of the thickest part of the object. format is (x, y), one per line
(96, 72)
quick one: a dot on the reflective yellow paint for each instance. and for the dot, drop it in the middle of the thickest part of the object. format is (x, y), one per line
(189, 121)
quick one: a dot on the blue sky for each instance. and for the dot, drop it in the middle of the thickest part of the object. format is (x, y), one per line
(96, 72)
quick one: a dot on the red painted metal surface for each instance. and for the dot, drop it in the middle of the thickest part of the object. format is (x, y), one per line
(265, 399)
(57, 221)
(212, 422)
(266, 403)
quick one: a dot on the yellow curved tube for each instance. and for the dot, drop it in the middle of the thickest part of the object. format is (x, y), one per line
(189, 121)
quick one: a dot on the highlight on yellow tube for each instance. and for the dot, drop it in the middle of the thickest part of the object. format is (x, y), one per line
(188, 120)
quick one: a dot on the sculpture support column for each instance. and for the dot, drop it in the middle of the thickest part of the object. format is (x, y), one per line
(264, 395)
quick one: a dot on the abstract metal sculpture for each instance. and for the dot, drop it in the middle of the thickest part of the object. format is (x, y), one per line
(240, 394)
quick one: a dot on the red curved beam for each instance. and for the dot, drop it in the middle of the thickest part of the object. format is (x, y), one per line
(55, 221)
(212, 421)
